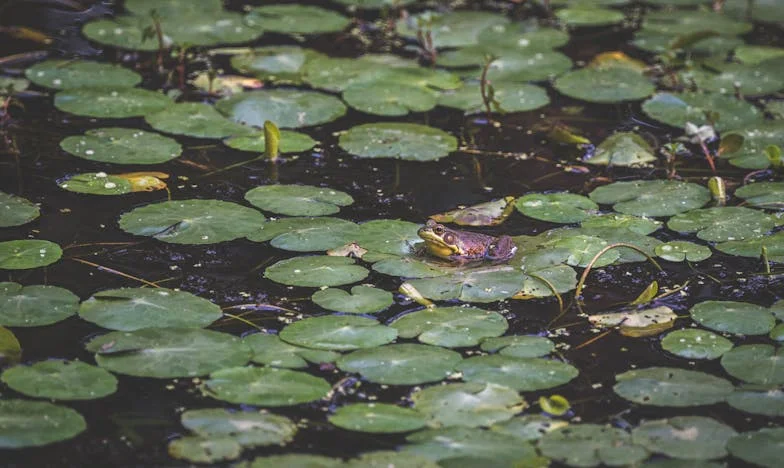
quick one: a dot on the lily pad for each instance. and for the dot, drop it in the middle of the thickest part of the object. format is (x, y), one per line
(521, 346)
(740, 318)
(677, 109)
(316, 271)
(490, 213)
(407, 267)
(69, 74)
(591, 445)
(759, 447)
(271, 350)
(390, 458)
(768, 403)
(471, 404)
(296, 19)
(685, 437)
(519, 67)
(581, 16)
(296, 460)
(726, 223)
(678, 251)
(408, 141)
(605, 85)
(207, 29)
(388, 236)
(288, 108)
(487, 284)
(111, 102)
(338, 333)
(26, 254)
(248, 428)
(626, 149)
(401, 364)
(522, 374)
(130, 309)
(36, 423)
(96, 183)
(168, 352)
(451, 327)
(677, 22)
(767, 195)
(192, 221)
(377, 418)
(336, 74)
(494, 448)
(194, 119)
(636, 224)
(556, 207)
(122, 146)
(753, 247)
(651, 197)
(361, 300)
(751, 79)
(10, 349)
(528, 35)
(696, 344)
(199, 449)
(290, 142)
(669, 386)
(60, 380)
(390, 99)
(15, 211)
(167, 8)
(755, 139)
(124, 32)
(756, 363)
(265, 386)
(455, 29)
(10, 85)
(298, 200)
(33, 306)
(274, 63)
(306, 234)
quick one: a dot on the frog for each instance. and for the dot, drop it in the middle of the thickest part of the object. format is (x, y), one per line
(462, 247)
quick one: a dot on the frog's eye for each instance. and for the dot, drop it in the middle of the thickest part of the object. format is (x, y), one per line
(449, 238)
(438, 229)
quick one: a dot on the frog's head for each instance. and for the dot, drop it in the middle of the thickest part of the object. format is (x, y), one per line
(439, 240)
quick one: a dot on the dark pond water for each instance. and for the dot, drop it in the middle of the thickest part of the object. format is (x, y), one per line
(133, 426)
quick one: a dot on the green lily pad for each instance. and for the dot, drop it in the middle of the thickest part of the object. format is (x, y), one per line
(451, 327)
(265, 386)
(306, 234)
(390, 458)
(408, 141)
(407, 267)
(388, 236)
(287, 108)
(685, 437)
(759, 447)
(455, 29)
(377, 418)
(36, 423)
(168, 352)
(582, 249)
(669, 386)
(556, 207)
(374, 4)
(272, 351)
(767, 195)
(401, 364)
(678, 251)
(696, 44)
(581, 16)
(752, 79)
(471, 404)
(296, 19)
(509, 97)
(26, 254)
(10, 349)
(298, 200)
(68, 74)
(726, 223)
(521, 346)
(124, 32)
(587, 240)
(296, 460)
(199, 449)
(60, 380)
(740, 318)
(777, 334)
(16, 211)
(775, 109)
(274, 63)
(755, 139)
(361, 300)
(96, 183)
(651, 197)
(768, 403)
(591, 445)
(528, 427)
(192, 221)
(527, 35)
(388, 98)
(753, 247)
(756, 363)
(130, 309)
(207, 29)
(110, 102)
(290, 142)
(681, 22)
(167, 8)
(194, 119)
(626, 149)
(494, 448)
(338, 333)
(248, 428)
(696, 344)
(336, 74)
(778, 309)
(10, 85)
(636, 224)
(122, 146)
(605, 85)
(519, 67)
(316, 271)
(487, 284)
(522, 374)
(33, 306)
